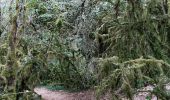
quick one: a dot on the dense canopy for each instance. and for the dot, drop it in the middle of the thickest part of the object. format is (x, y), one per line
(112, 47)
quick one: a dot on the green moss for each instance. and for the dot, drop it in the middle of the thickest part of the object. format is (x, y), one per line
(123, 78)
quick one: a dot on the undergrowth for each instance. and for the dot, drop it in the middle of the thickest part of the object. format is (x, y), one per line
(123, 78)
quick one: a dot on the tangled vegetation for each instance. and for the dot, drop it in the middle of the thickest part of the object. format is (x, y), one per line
(127, 76)
(112, 46)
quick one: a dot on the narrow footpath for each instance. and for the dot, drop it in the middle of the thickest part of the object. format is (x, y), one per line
(62, 95)
(85, 95)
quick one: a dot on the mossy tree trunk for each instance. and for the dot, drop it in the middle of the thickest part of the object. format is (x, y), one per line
(12, 71)
(11, 67)
(0, 22)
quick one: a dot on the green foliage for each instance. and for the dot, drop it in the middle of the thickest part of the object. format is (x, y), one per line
(59, 23)
(123, 78)
(67, 70)
(51, 53)
(26, 96)
(136, 29)
(44, 53)
(38, 6)
(56, 88)
(136, 32)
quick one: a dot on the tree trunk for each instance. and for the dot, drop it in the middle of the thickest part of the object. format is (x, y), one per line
(11, 67)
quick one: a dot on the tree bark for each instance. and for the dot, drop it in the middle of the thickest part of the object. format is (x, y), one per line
(11, 67)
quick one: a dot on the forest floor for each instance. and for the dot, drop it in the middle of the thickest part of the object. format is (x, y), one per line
(47, 94)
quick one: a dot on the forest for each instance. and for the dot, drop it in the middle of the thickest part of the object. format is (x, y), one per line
(84, 49)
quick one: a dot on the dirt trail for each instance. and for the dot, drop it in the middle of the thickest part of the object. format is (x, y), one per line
(62, 95)
(85, 95)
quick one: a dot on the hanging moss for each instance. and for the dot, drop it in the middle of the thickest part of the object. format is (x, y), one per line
(124, 78)
(140, 31)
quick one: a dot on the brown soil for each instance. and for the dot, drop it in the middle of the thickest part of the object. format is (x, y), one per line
(85, 95)
(62, 95)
